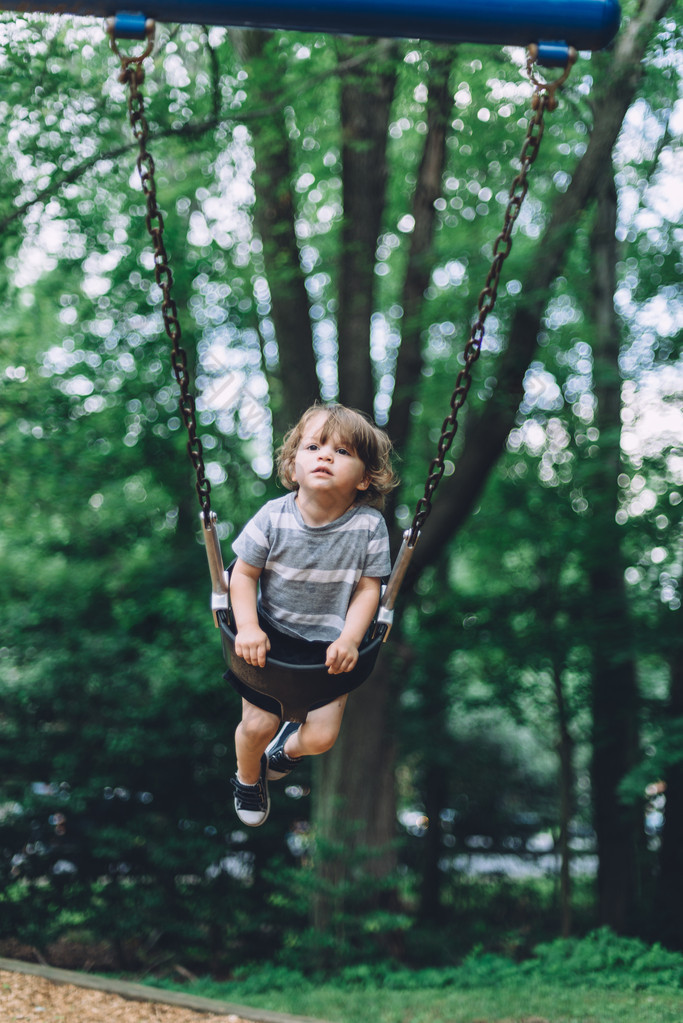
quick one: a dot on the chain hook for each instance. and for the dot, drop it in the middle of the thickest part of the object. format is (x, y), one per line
(128, 59)
(548, 88)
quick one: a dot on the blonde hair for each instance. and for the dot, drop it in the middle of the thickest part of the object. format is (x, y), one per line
(359, 433)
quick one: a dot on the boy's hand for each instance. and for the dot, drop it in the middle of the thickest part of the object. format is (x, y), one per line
(341, 656)
(252, 644)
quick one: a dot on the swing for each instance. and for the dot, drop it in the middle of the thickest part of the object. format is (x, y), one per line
(297, 687)
(588, 24)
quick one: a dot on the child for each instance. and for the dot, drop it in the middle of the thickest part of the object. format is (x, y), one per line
(306, 586)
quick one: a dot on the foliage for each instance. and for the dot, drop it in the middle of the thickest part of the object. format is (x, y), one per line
(601, 977)
(114, 720)
(364, 915)
(600, 960)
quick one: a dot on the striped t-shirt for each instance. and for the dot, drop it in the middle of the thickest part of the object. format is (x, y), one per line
(310, 572)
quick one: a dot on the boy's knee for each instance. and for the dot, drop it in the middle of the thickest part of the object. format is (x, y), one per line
(258, 727)
(320, 739)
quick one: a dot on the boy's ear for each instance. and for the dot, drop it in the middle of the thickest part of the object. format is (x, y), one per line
(364, 484)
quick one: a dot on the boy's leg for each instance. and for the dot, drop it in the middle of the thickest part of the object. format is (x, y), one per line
(252, 735)
(319, 732)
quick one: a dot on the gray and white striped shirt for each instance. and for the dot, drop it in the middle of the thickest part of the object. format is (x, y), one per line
(310, 572)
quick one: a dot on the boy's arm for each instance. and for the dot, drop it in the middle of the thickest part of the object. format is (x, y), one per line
(251, 642)
(343, 653)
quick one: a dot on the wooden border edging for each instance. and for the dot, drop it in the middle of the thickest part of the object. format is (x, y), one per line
(142, 993)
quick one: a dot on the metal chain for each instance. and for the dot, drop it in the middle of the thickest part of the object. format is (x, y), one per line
(133, 75)
(544, 99)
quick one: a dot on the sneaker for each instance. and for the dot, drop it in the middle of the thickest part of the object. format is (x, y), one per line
(279, 764)
(252, 802)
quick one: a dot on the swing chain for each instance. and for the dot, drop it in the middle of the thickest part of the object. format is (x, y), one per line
(133, 75)
(543, 100)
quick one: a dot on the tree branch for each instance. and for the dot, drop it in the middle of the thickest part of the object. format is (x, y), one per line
(191, 130)
(420, 258)
(77, 172)
(486, 432)
(365, 110)
(274, 217)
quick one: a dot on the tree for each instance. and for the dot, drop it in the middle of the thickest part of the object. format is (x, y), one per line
(615, 693)
(488, 428)
(294, 294)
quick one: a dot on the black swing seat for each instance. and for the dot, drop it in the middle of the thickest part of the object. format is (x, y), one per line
(296, 687)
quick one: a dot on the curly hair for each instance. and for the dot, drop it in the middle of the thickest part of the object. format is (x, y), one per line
(356, 431)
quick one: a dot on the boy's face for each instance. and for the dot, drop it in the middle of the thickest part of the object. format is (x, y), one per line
(328, 466)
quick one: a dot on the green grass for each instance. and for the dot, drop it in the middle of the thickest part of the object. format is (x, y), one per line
(511, 1003)
(598, 979)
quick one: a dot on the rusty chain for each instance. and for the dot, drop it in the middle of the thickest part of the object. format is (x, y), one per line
(544, 99)
(133, 75)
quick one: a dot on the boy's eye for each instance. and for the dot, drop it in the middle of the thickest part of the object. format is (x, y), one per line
(343, 451)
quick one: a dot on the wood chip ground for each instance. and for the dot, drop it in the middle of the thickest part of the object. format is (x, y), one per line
(28, 999)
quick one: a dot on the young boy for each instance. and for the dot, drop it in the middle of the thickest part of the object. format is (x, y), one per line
(306, 585)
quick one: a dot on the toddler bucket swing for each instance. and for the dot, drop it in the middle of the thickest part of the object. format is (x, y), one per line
(552, 30)
(298, 687)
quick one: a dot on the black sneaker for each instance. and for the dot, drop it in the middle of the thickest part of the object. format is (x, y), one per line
(252, 802)
(279, 764)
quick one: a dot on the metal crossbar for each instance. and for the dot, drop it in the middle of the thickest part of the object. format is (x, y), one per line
(583, 24)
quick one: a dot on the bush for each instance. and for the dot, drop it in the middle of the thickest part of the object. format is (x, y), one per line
(604, 960)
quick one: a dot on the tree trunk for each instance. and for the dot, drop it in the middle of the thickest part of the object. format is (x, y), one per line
(549, 610)
(437, 760)
(669, 894)
(366, 99)
(615, 701)
(566, 786)
(428, 188)
(274, 218)
(354, 797)
(359, 772)
(356, 779)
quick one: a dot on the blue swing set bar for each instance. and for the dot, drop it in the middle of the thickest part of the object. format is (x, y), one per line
(581, 24)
